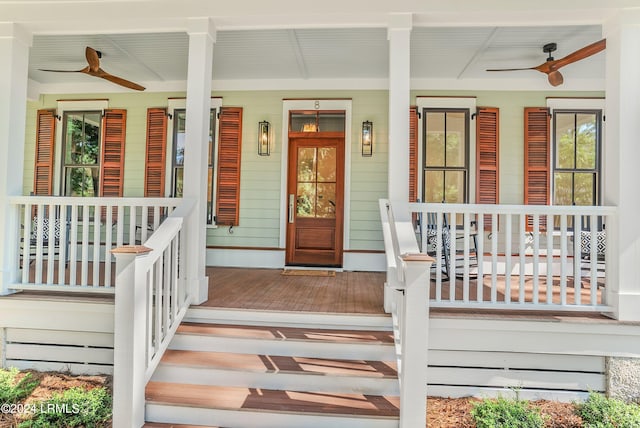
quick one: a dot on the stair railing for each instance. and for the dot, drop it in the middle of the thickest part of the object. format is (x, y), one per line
(151, 299)
(407, 298)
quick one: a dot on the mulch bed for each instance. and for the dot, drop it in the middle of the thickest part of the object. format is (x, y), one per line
(52, 383)
(456, 413)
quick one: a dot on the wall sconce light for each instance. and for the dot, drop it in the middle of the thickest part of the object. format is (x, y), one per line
(264, 138)
(367, 139)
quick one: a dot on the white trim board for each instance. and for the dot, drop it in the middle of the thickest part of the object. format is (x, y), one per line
(275, 259)
(318, 104)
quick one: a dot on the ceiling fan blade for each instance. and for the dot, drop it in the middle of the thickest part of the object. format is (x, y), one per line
(580, 54)
(93, 59)
(511, 69)
(84, 70)
(117, 80)
(555, 78)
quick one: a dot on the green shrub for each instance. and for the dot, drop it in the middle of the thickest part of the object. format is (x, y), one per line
(14, 389)
(506, 413)
(72, 408)
(599, 411)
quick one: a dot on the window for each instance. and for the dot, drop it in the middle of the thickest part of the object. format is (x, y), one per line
(576, 153)
(177, 165)
(81, 142)
(446, 155)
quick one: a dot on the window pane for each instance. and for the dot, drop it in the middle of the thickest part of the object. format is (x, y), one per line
(327, 164)
(82, 138)
(563, 188)
(326, 200)
(306, 200)
(565, 140)
(434, 186)
(307, 164)
(586, 141)
(455, 129)
(331, 122)
(454, 186)
(178, 174)
(584, 189)
(434, 153)
(80, 181)
(210, 196)
(179, 137)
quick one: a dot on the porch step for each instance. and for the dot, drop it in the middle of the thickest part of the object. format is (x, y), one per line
(337, 321)
(286, 341)
(261, 408)
(278, 372)
(261, 376)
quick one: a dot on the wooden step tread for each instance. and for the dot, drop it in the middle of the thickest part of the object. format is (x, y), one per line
(280, 364)
(288, 333)
(257, 399)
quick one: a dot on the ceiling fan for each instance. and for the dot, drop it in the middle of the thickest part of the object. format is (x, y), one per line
(551, 66)
(93, 69)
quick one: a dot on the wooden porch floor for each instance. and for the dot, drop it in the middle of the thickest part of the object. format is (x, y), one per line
(344, 293)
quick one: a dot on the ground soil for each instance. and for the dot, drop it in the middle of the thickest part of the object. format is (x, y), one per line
(441, 412)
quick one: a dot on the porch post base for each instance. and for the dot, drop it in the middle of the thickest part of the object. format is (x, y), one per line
(199, 289)
(623, 378)
(627, 305)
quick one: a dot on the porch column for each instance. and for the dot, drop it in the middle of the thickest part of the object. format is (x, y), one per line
(14, 63)
(621, 157)
(201, 39)
(399, 35)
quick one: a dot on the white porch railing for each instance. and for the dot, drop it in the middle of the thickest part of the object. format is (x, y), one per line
(407, 296)
(151, 300)
(64, 243)
(531, 257)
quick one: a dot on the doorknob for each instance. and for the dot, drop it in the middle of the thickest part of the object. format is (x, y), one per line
(292, 206)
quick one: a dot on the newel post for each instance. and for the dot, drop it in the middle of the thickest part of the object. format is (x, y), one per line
(415, 330)
(129, 338)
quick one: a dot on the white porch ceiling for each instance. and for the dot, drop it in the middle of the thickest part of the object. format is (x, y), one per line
(328, 53)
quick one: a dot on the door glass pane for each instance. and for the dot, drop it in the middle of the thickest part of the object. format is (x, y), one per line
(455, 150)
(306, 164)
(326, 206)
(586, 141)
(565, 140)
(454, 186)
(584, 189)
(562, 192)
(434, 153)
(326, 164)
(434, 186)
(306, 200)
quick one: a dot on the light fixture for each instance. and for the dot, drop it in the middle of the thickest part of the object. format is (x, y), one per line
(367, 139)
(264, 138)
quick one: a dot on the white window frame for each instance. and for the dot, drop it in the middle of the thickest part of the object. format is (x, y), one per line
(469, 103)
(63, 107)
(181, 104)
(575, 104)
